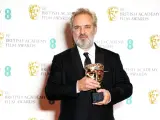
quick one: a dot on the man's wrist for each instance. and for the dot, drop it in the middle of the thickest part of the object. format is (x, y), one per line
(109, 97)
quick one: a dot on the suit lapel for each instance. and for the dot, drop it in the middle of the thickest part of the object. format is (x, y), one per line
(107, 65)
(99, 56)
(77, 64)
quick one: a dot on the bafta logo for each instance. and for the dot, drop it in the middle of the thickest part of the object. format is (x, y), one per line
(153, 96)
(112, 13)
(155, 41)
(1, 39)
(96, 72)
(33, 68)
(1, 36)
(1, 93)
(34, 11)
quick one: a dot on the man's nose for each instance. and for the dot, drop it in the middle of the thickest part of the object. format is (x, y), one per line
(82, 30)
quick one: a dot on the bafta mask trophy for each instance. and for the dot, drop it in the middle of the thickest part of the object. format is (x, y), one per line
(95, 71)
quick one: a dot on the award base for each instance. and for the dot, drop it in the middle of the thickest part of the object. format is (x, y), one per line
(97, 97)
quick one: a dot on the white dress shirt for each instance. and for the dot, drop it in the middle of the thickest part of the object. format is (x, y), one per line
(91, 54)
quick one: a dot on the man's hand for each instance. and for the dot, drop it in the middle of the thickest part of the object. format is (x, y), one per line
(87, 83)
(107, 97)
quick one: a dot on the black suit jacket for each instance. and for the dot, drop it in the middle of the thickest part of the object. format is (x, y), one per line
(67, 68)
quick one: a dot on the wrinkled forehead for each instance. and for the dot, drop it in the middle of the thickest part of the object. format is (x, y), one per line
(82, 20)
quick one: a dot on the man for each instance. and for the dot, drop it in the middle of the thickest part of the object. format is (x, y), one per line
(67, 81)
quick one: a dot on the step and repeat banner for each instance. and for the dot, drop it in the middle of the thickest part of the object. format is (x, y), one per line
(33, 31)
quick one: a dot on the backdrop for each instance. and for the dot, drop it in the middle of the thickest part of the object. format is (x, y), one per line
(33, 31)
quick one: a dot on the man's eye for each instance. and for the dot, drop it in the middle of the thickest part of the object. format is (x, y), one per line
(76, 27)
(87, 26)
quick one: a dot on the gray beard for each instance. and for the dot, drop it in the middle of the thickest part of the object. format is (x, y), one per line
(84, 44)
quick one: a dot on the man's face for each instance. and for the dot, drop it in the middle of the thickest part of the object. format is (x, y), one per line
(83, 31)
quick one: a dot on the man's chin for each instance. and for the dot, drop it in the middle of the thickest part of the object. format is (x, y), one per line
(84, 46)
(83, 43)
(83, 39)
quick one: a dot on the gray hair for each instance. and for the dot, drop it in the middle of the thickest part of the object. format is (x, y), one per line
(83, 11)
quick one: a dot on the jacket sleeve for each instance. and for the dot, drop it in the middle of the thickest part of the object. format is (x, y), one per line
(56, 87)
(122, 88)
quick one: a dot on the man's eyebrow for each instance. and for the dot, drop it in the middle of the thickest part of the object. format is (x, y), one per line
(88, 25)
(82, 25)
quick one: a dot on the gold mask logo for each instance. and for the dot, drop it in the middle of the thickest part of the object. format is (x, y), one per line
(1, 93)
(33, 68)
(153, 96)
(155, 41)
(1, 36)
(34, 11)
(112, 13)
(1, 39)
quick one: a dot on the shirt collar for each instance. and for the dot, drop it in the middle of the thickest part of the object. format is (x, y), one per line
(91, 51)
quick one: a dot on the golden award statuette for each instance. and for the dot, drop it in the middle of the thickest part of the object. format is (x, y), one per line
(96, 72)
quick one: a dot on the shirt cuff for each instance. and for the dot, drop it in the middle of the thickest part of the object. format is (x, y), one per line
(77, 90)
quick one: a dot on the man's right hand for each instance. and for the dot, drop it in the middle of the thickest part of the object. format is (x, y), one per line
(87, 83)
